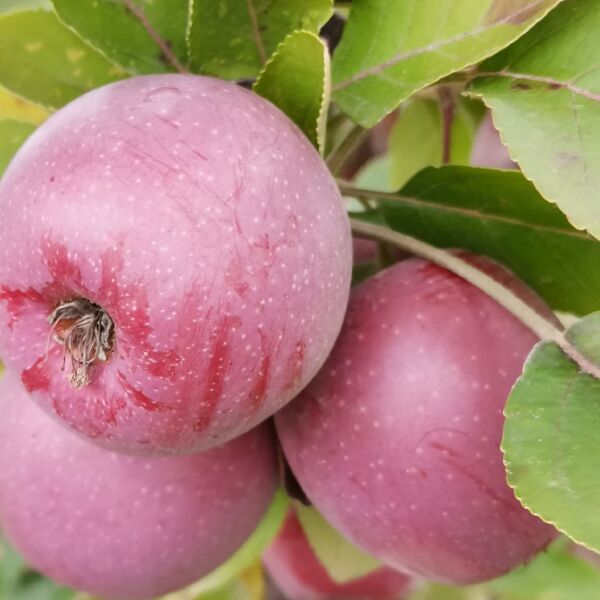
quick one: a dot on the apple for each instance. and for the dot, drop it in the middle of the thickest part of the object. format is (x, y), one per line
(119, 526)
(488, 149)
(298, 573)
(175, 263)
(397, 440)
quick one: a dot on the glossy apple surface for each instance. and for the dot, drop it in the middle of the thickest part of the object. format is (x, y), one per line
(206, 227)
(119, 526)
(298, 573)
(397, 439)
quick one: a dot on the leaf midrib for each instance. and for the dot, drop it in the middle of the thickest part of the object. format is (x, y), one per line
(466, 212)
(432, 47)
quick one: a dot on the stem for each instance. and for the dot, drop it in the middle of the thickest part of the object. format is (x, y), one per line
(447, 112)
(139, 14)
(87, 333)
(543, 328)
(336, 160)
(260, 48)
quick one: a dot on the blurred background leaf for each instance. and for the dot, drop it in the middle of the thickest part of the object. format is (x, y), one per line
(233, 39)
(342, 559)
(111, 27)
(43, 61)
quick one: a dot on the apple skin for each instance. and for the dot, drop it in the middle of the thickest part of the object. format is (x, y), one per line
(488, 149)
(119, 526)
(397, 440)
(201, 219)
(299, 574)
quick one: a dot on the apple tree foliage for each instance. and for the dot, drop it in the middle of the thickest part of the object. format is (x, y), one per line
(419, 74)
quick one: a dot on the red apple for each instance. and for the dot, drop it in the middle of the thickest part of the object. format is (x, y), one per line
(191, 251)
(121, 526)
(397, 439)
(299, 574)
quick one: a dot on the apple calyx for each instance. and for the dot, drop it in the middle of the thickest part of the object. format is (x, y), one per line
(87, 333)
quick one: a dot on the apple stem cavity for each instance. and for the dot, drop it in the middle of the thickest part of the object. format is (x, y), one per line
(87, 333)
(540, 325)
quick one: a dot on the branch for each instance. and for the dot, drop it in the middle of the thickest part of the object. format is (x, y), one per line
(539, 325)
(169, 55)
(336, 160)
(260, 48)
(447, 110)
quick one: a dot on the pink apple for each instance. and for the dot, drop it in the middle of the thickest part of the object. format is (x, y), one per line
(123, 526)
(299, 574)
(488, 149)
(192, 252)
(397, 439)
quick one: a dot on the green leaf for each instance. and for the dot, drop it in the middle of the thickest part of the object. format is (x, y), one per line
(12, 135)
(376, 175)
(41, 60)
(13, 107)
(392, 48)
(551, 443)
(553, 575)
(233, 39)
(297, 80)
(248, 585)
(8, 6)
(342, 559)
(416, 140)
(12, 567)
(544, 92)
(123, 37)
(18, 582)
(500, 214)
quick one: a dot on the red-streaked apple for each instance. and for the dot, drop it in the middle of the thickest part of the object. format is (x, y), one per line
(119, 526)
(175, 263)
(397, 439)
(299, 574)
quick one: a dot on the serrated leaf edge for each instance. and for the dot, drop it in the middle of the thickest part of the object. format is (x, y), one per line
(321, 124)
(124, 70)
(515, 159)
(510, 475)
(400, 57)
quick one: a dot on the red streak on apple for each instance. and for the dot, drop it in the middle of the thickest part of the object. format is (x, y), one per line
(209, 230)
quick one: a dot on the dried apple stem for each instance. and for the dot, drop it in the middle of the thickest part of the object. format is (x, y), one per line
(87, 333)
